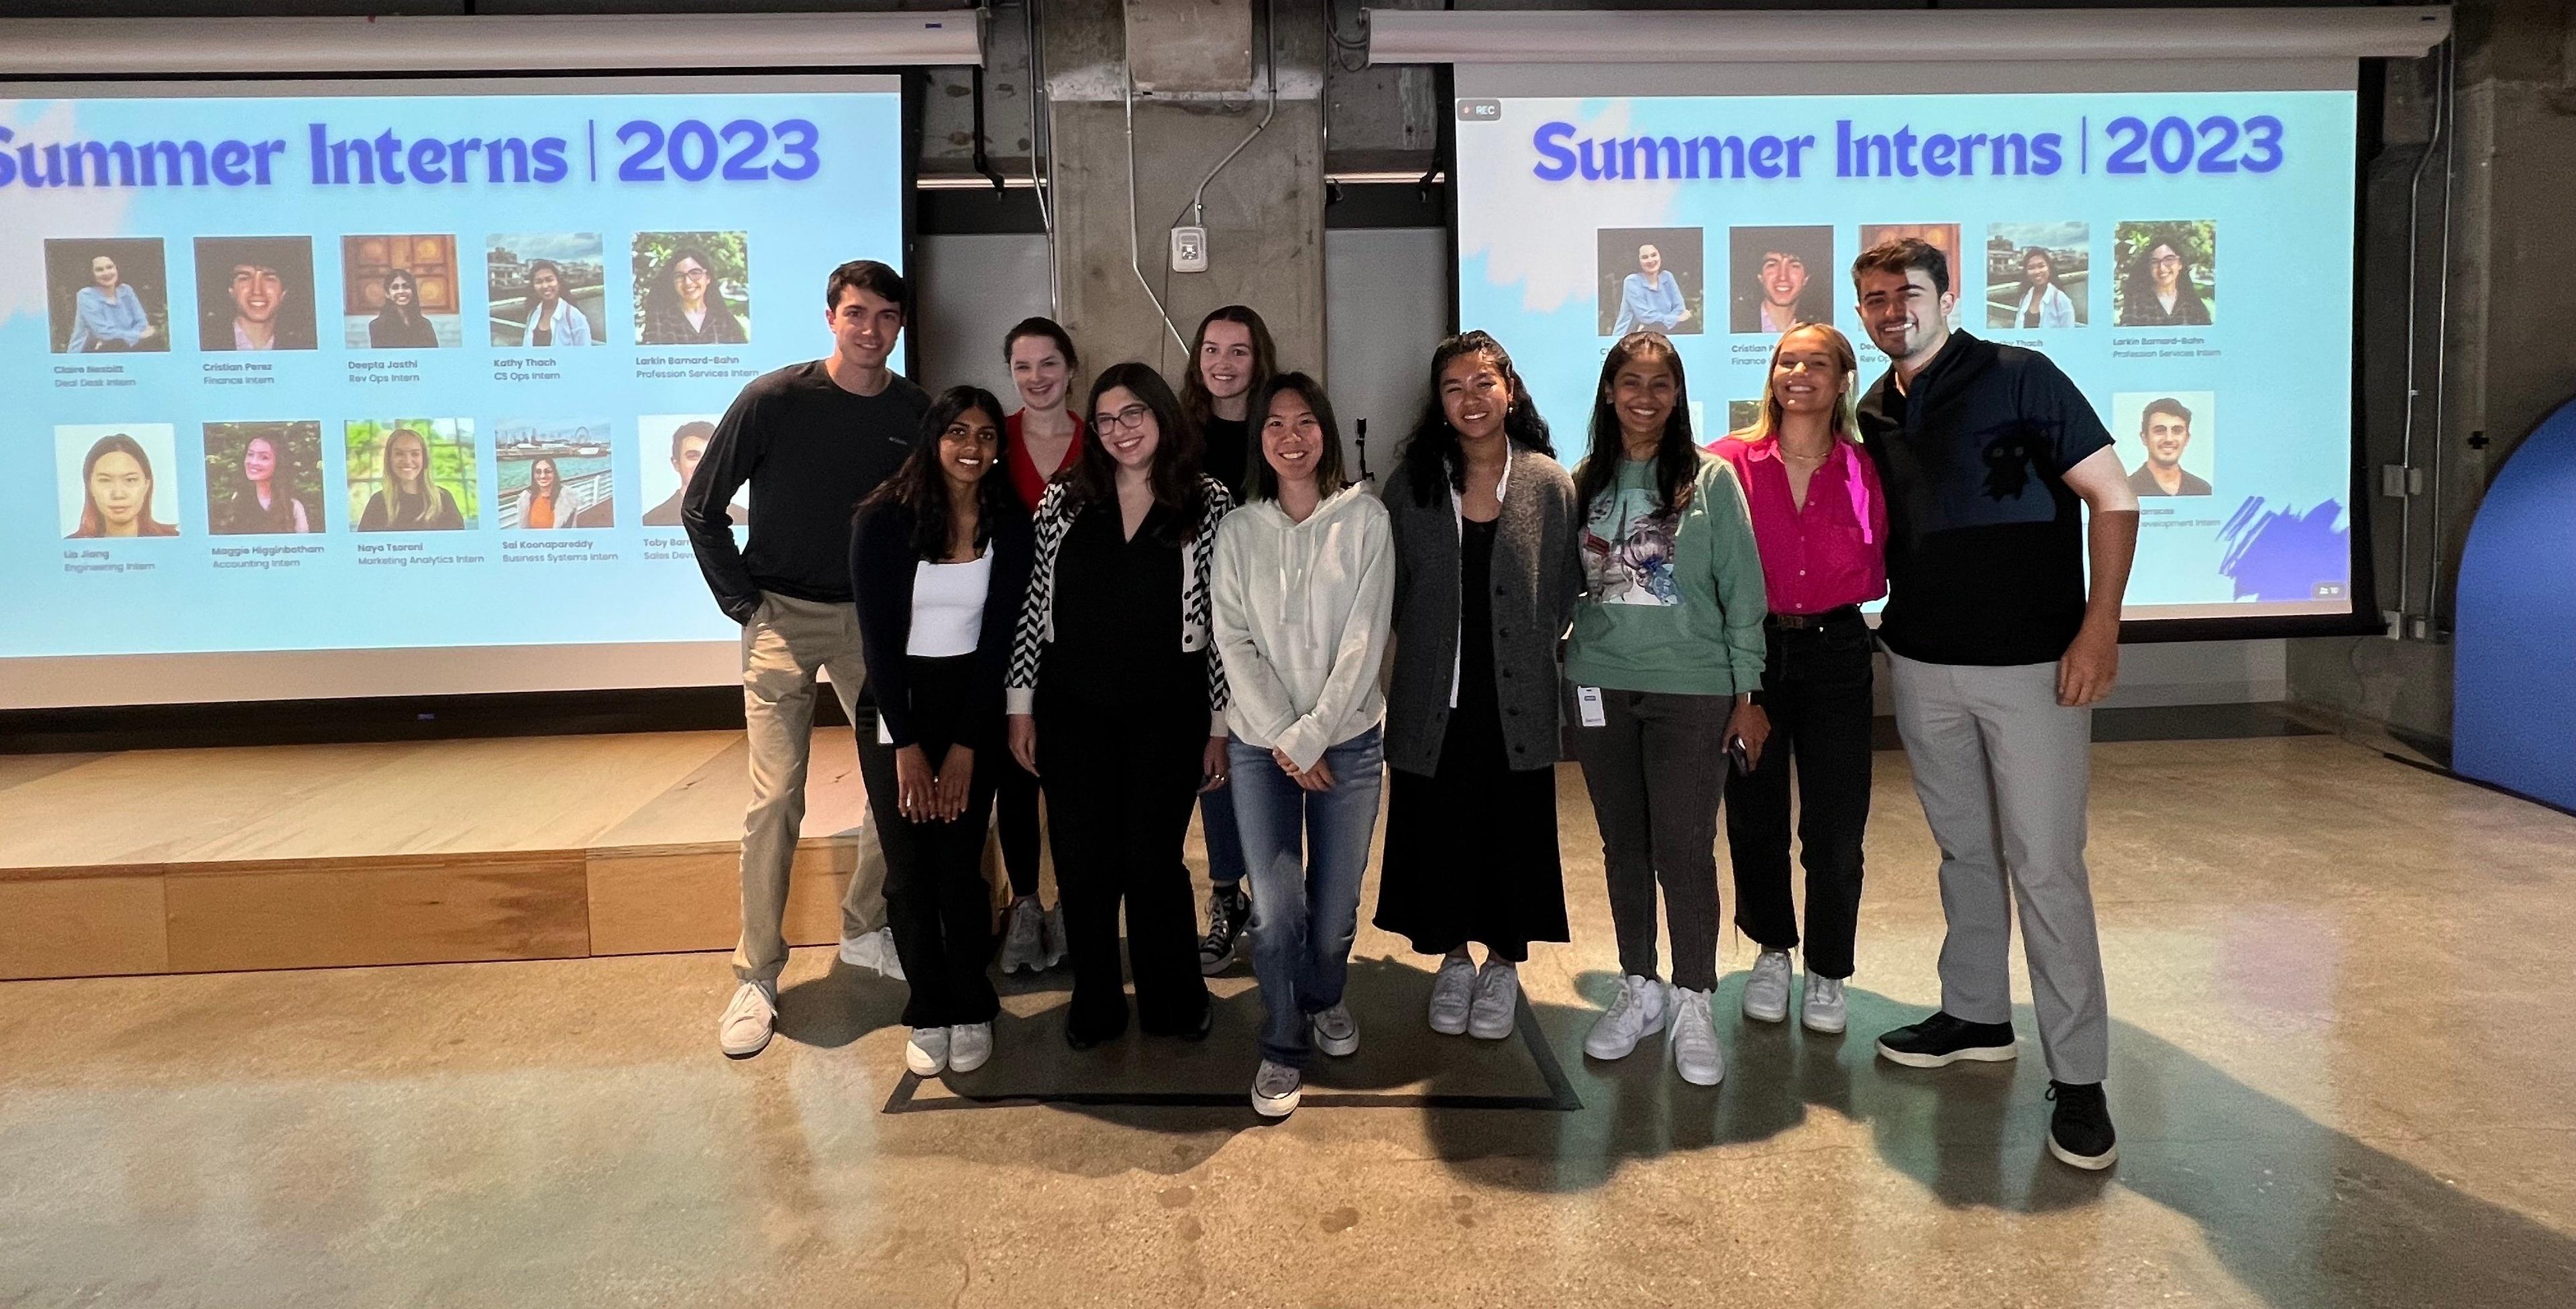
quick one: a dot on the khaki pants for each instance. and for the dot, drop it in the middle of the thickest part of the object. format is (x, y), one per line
(784, 645)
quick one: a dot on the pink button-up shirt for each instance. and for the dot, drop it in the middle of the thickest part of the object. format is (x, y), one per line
(1831, 553)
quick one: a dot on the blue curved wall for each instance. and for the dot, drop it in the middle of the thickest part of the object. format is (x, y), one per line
(2513, 720)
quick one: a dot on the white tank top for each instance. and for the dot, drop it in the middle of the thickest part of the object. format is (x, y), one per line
(948, 606)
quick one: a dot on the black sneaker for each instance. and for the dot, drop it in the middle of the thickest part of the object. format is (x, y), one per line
(1941, 1040)
(2079, 1133)
(1228, 908)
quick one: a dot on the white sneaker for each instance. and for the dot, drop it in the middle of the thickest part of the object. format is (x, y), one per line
(1498, 1001)
(1024, 938)
(969, 1045)
(927, 1053)
(873, 951)
(1766, 992)
(1275, 1090)
(1695, 1053)
(1056, 948)
(748, 1019)
(1637, 1014)
(1336, 1033)
(1825, 1009)
(1450, 994)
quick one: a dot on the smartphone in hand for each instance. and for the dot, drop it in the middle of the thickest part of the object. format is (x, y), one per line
(1735, 750)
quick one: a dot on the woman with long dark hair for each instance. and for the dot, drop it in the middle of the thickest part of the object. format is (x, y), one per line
(1117, 699)
(410, 500)
(399, 324)
(1303, 580)
(939, 562)
(1820, 520)
(1231, 359)
(1660, 673)
(2157, 289)
(685, 304)
(262, 501)
(116, 491)
(543, 502)
(1486, 573)
(1044, 441)
(2044, 304)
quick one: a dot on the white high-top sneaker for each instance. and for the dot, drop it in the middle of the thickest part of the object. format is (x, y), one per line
(1637, 1014)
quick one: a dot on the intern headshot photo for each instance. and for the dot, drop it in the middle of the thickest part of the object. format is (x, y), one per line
(400, 292)
(2168, 274)
(263, 479)
(1779, 277)
(254, 293)
(2038, 276)
(2166, 459)
(547, 290)
(1650, 279)
(109, 486)
(554, 474)
(107, 296)
(692, 288)
(411, 475)
(686, 435)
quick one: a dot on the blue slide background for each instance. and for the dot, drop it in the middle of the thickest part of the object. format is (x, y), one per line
(2274, 538)
(629, 583)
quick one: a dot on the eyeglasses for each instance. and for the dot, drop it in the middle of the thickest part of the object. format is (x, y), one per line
(1132, 418)
(2166, 261)
(692, 275)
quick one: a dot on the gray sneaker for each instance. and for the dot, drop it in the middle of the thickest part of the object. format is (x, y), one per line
(1452, 990)
(1275, 1090)
(1766, 992)
(1336, 1032)
(1498, 1001)
(1024, 938)
(1825, 1009)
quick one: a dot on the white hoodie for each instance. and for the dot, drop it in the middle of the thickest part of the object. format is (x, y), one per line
(1302, 611)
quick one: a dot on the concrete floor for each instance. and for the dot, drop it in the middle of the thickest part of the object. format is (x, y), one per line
(2340, 1072)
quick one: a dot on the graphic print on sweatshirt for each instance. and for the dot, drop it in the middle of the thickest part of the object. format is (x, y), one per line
(1628, 549)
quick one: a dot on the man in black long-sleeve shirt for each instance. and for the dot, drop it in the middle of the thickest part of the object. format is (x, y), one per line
(812, 440)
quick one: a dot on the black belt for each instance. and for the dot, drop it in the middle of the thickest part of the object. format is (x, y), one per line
(1825, 619)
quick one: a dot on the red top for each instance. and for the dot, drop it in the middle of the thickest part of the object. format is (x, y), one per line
(1024, 470)
(1831, 553)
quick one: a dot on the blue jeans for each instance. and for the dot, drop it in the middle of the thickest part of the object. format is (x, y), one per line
(1305, 905)
(1223, 834)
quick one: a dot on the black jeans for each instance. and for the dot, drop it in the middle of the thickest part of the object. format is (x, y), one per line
(1816, 685)
(936, 899)
(1656, 768)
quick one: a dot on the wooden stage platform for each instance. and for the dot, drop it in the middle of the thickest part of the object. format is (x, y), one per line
(179, 861)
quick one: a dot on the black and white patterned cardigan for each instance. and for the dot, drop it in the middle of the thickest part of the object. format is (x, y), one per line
(1056, 512)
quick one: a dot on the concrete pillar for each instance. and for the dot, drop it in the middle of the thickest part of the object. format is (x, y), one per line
(2507, 358)
(1264, 212)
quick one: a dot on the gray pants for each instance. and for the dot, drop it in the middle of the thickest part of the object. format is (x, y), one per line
(784, 645)
(2003, 771)
(1656, 768)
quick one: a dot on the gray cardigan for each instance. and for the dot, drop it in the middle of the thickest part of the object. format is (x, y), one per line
(1538, 573)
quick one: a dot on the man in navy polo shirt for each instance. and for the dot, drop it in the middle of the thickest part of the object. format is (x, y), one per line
(1996, 654)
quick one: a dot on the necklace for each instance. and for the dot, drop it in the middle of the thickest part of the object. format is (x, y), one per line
(1787, 453)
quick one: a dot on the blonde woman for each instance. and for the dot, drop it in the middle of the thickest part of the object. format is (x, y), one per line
(409, 501)
(1821, 523)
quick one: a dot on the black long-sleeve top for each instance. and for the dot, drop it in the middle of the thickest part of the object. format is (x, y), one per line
(882, 566)
(810, 451)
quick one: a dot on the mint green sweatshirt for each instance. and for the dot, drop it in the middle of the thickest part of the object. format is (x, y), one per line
(1671, 603)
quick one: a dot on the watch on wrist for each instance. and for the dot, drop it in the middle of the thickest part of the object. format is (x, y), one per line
(1755, 698)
